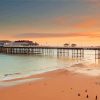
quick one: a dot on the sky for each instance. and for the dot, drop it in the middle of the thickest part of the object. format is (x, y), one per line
(51, 22)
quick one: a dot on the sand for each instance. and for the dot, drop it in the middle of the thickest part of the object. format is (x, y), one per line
(55, 85)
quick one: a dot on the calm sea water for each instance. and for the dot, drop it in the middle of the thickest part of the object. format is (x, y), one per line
(15, 66)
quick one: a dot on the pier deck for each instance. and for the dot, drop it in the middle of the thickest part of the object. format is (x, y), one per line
(49, 50)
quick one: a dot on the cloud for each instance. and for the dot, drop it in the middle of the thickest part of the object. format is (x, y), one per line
(79, 22)
(87, 23)
(50, 35)
(93, 1)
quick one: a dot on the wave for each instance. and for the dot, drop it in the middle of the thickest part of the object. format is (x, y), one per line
(91, 70)
(77, 68)
(12, 83)
(80, 65)
(17, 75)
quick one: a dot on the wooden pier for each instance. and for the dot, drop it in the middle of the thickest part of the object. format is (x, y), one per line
(49, 50)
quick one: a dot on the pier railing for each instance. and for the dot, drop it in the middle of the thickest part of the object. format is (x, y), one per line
(49, 50)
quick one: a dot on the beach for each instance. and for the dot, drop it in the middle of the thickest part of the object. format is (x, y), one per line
(49, 49)
(55, 85)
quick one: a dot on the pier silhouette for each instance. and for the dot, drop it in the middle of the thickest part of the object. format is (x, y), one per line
(76, 52)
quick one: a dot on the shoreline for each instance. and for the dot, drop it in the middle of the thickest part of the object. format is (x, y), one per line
(55, 85)
(43, 75)
(79, 68)
(31, 76)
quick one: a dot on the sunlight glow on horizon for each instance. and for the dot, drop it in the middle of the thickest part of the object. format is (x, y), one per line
(53, 22)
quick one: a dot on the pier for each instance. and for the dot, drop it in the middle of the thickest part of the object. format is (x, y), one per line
(49, 50)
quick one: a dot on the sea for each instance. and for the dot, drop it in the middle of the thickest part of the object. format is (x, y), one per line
(19, 66)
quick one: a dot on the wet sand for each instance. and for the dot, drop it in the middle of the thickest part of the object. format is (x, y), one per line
(55, 85)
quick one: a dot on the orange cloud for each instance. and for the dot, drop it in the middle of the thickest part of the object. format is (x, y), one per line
(46, 35)
(94, 1)
(55, 35)
(87, 23)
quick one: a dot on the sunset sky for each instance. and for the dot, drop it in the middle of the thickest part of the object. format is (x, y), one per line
(51, 22)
